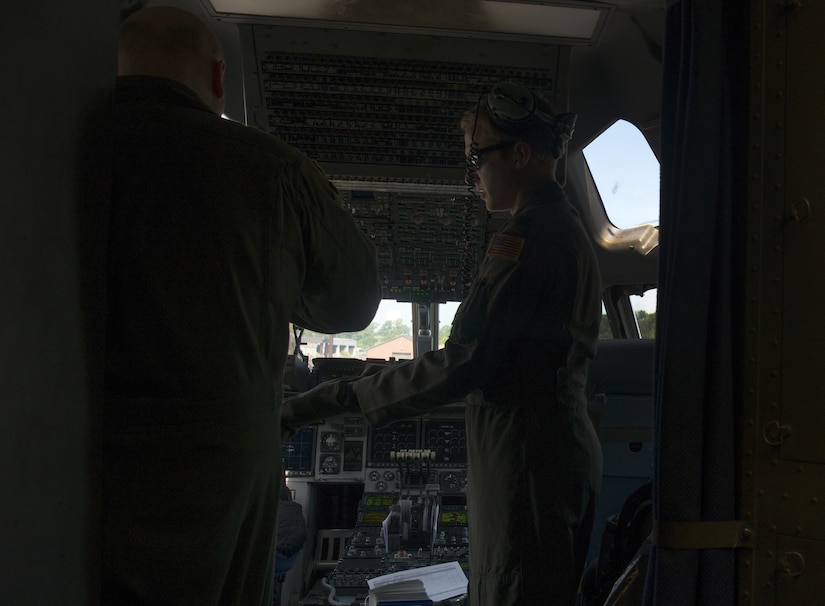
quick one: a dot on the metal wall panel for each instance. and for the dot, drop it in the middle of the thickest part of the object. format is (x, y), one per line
(783, 480)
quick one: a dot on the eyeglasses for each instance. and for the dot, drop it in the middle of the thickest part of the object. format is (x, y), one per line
(474, 157)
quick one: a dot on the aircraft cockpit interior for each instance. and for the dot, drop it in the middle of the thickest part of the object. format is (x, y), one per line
(374, 95)
(693, 165)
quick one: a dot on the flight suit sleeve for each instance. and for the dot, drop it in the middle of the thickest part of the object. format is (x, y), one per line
(341, 291)
(507, 297)
(327, 399)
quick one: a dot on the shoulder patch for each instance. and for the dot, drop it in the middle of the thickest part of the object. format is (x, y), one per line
(502, 245)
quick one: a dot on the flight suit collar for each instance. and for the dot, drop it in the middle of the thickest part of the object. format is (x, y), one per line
(153, 89)
(549, 193)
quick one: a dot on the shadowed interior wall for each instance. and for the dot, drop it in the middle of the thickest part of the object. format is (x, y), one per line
(58, 59)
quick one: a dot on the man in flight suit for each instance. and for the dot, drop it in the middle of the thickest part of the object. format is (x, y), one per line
(518, 354)
(220, 235)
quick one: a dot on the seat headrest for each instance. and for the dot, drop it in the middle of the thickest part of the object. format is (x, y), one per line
(622, 366)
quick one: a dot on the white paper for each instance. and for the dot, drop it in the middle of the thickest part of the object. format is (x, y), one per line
(437, 582)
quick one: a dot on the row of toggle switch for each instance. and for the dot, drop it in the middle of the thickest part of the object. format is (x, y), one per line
(416, 454)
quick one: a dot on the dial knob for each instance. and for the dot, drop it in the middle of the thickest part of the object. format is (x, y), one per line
(329, 464)
(331, 441)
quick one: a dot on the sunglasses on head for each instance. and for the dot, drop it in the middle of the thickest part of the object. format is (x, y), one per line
(511, 103)
(514, 105)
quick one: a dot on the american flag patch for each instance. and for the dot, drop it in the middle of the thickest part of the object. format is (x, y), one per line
(505, 246)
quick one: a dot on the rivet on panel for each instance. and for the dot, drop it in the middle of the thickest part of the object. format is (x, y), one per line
(800, 210)
(793, 563)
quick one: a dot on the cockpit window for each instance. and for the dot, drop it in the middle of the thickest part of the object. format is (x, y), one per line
(644, 308)
(389, 336)
(626, 172)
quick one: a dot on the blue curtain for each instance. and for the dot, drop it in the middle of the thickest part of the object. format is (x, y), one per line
(698, 369)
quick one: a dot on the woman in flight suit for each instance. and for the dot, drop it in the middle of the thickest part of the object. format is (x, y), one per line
(518, 354)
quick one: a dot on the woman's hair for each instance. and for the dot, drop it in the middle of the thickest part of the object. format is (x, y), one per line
(544, 130)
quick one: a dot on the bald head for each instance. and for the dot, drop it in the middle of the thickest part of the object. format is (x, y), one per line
(172, 43)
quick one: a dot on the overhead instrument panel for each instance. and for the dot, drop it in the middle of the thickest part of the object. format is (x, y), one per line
(379, 111)
(380, 105)
(428, 243)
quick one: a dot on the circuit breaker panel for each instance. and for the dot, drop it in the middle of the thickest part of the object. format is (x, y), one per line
(380, 113)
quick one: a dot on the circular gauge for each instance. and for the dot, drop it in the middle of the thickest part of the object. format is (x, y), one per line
(331, 441)
(380, 486)
(329, 464)
(374, 476)
(449, 481)
(389, 476)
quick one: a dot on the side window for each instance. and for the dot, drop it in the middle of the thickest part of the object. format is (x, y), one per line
(604, 326)
(626, 172)
(644, 307)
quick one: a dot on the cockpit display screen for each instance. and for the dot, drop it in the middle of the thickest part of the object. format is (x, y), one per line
(298, 451)
(378, 500)
(374, 517)
(447, 438)
(453, 517)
